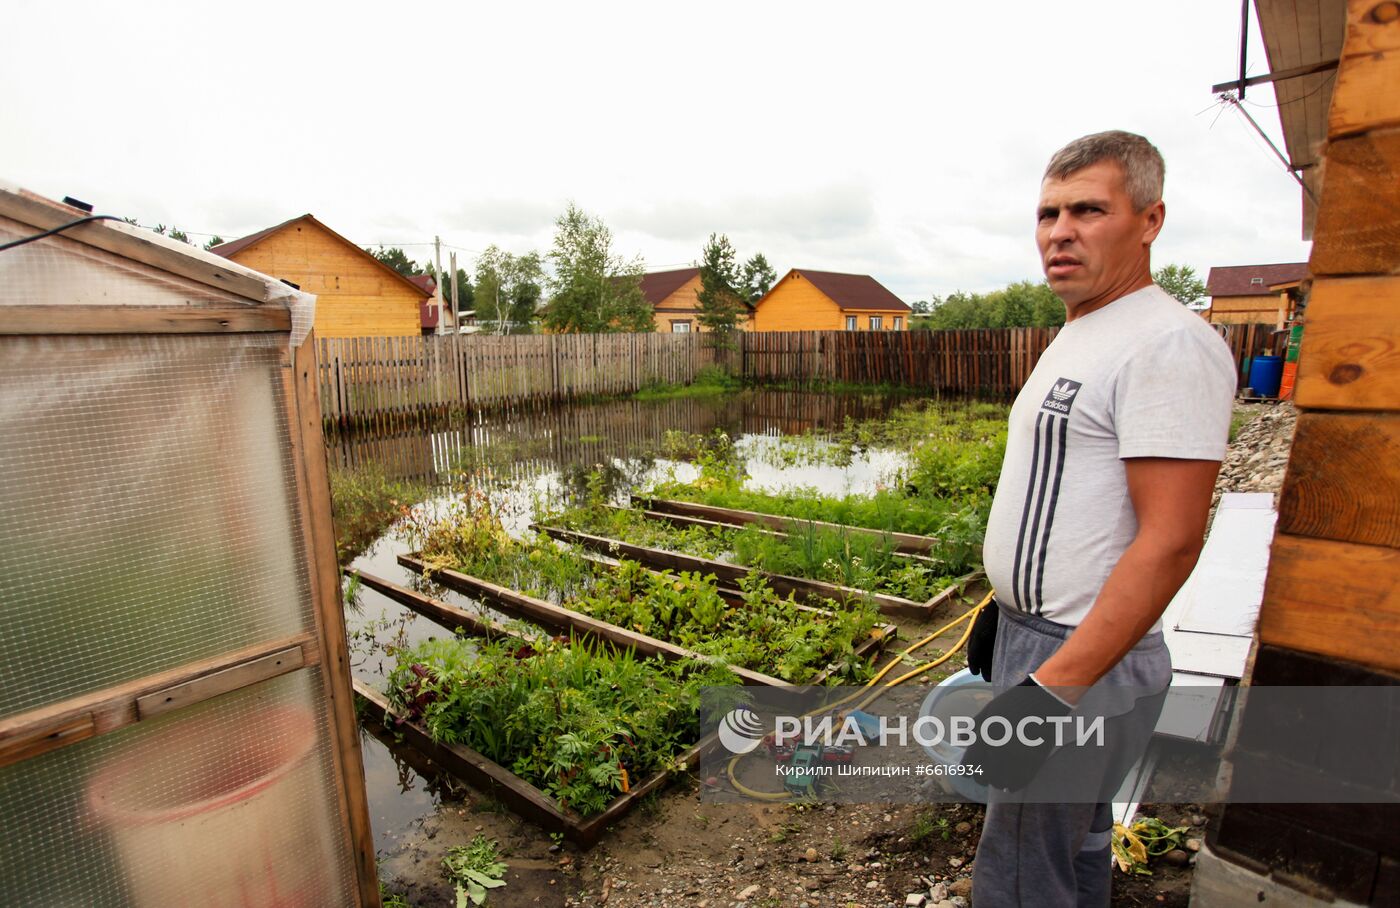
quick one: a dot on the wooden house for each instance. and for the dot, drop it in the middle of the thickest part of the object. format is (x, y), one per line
(1250, 294)
(829, 301)
(357, 295)
(675, 300)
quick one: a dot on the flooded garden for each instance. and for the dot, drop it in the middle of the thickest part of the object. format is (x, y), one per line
(602, 563)
(511, 498)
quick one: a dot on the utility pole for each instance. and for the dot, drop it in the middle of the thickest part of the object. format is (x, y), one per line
(437, 279)
(455, 309)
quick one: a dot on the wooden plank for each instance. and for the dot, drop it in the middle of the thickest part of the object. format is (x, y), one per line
(522, 797)
(1364, 95)
(439, 612)
(117, 241)
(100, 712)
(144, 320)
(1358, 231)
(473, 768)
(908, 543)
(731, 573)
(1350, 359)
(312, 491)
(566, 620)
(1372, 28)
(206, 687)
(1343, 478)
(1335, 599)
(793, 525)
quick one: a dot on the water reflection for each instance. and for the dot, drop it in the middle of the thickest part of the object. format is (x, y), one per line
(520, 442)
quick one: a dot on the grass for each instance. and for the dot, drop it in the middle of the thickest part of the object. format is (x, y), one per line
(709, 382)
(364, 503)
(954, 451)
(1240, 418)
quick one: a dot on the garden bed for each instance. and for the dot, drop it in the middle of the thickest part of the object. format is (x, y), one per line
(409, 710)
(731, 573)
(564, 620)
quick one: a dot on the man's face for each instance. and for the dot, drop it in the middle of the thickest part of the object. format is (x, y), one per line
(1093, 245)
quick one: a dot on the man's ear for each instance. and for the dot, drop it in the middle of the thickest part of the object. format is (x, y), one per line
(1156, 216)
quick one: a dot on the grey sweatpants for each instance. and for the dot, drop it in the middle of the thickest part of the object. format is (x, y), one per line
(1052, 855)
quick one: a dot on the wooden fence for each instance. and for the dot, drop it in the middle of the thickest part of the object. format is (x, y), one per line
(392, 383)
(987, 361)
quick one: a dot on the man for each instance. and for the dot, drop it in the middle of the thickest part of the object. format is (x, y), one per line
(1112, 453)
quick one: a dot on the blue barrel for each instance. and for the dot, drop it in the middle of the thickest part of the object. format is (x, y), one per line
(1265, 373)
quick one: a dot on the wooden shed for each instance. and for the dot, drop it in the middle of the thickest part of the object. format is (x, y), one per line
(357, 295)
(176, 719)
(807, 300)
(1253, 294)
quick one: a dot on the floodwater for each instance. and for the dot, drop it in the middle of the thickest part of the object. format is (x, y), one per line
(528, 457)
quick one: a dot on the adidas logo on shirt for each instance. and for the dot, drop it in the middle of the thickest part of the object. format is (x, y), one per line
(1061, 396)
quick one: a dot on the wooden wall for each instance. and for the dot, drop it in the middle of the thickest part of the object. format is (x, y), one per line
(795, 304)
(1237, 310)
(682, 305)
(355, 296)
(1331, 611)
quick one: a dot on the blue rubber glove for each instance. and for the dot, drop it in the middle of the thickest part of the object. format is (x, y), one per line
(1011, 766)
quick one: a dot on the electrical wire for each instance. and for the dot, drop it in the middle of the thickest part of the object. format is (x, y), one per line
(59, 229)
(877, 694)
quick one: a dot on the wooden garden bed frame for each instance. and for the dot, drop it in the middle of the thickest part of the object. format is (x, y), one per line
(566, 620)
(905, 543)
(731, 573)
(479, 770)
(681, 520)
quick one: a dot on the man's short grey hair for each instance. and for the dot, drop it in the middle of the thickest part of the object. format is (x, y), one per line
(1143, 167)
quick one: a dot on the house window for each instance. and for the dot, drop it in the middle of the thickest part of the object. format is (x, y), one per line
(680, 327)
(850, 323)
(899, 323)
(875, 321)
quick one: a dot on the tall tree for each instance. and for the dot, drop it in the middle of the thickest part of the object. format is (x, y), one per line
(214, 240)
(508, 289)
(397, 259)
(721, 301)
(1024, 304)
(593, 289)
(1181, 282)
(758, 278)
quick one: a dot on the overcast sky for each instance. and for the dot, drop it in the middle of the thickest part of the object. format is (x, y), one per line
(904, 141)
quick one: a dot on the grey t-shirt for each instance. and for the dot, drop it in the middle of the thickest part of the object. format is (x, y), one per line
(1141, 377)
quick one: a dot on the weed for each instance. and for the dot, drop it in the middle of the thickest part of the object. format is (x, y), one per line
(474, 869)
(709, 381)
(838, 850)
(392, 899)
(926, 824)
(364, 503)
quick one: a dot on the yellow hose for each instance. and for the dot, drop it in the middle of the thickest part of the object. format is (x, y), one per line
(962, 641)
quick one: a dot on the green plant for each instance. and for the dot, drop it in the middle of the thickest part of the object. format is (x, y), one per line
(1148, 838)
(474, 869)
(576, 721)
(926, 824)
(364, 503)
(389, 899)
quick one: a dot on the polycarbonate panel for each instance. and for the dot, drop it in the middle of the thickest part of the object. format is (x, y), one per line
(226, 804)
(60, 271)
(147, 510)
